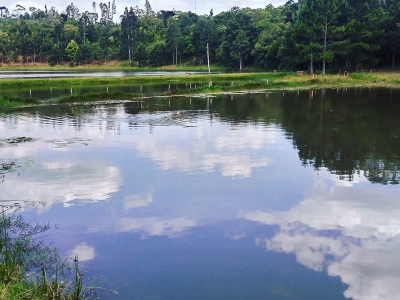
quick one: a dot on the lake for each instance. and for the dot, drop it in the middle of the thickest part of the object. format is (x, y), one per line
(280, 195)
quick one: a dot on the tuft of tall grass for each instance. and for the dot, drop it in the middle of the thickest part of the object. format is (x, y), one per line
(32, 269)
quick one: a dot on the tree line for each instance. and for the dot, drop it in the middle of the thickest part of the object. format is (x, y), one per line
(300, 35)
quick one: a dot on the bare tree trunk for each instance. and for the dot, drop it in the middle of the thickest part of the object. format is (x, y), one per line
(394, 57)
(129, 49)
(325, 35)
(312, 63)
(176, 51)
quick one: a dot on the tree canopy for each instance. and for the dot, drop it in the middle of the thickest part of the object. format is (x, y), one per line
(299, 35)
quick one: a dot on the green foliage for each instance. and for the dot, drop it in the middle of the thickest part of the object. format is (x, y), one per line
(338, 34)
(72, 50)
(240, 47)
(141, 54)
(7, 103)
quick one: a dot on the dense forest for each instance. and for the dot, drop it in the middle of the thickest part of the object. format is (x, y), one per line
(300, 35)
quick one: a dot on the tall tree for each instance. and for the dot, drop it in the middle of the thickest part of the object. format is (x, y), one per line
(148, 10)
(72, 50)
(173, 39)
(240, 47)
(129, 26)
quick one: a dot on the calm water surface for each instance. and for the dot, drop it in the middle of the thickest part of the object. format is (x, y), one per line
(286, 195)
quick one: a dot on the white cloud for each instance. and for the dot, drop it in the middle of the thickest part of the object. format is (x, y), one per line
(156, 226)
(137, 201)
(83, 251)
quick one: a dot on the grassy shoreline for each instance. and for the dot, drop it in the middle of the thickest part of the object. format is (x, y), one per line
(111, 66)
(290, 79)
(201, 84)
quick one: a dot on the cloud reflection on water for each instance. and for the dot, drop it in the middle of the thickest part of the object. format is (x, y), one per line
(353, 232)
(155, 226)
(84, 252)
(137, 201)
(229, 151)
(65, 181)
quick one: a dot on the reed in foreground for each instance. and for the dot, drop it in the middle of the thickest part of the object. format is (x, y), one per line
(31, 269)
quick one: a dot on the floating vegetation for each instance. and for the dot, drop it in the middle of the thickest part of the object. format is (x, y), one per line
(15, 141)
(100, 97)
(8, 103)
(61, 143)
(14, 165)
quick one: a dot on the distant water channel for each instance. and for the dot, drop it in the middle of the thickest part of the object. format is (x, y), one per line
(60, 74)
(282, 195)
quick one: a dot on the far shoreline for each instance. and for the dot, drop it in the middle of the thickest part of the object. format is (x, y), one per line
(198, 85)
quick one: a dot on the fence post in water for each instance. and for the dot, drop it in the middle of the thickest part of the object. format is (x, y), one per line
(190, 86)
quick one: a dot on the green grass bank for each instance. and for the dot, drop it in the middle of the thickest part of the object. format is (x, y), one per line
(289, 79)
(197, 84)
(109, 66)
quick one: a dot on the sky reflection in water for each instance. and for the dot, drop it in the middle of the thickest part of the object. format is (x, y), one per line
(207, 199)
